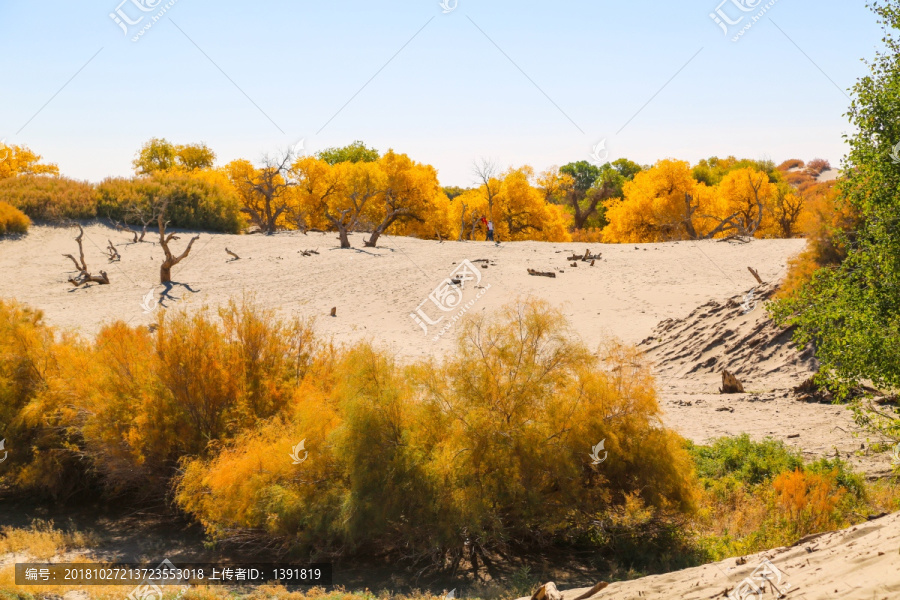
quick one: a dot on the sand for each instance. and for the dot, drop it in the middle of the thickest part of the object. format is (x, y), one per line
(859, 563)
(626, 293)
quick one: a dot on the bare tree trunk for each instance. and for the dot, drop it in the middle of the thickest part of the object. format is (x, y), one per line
(345, 239)
(382, 227)
(689, 210)
(165, 270)
(462, 222)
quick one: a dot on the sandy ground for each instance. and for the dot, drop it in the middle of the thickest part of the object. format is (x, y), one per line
(626, 293)
(859, 563)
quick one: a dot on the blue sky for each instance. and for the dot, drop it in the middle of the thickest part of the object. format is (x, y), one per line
(520, 82)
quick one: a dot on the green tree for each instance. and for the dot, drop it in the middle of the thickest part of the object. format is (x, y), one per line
(851, 312)
(192, 157)
(159, 154)
(583, 175)
(594, 185)
(156, 155)
(355, 152)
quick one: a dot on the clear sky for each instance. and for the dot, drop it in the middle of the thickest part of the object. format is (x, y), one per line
(521, 82)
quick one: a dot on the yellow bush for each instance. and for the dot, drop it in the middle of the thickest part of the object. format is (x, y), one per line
(589, 236)
(492, 444)
(807, 501)
(12, 220)
(42, 540)
(49, 198)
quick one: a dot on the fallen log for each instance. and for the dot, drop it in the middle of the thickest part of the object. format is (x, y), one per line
(541, 273)
(756, 275)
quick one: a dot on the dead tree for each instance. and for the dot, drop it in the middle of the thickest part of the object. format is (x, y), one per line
(487, 171)
(113, 253)
(755, 274)
(165, 270)
(263, 192)
(126, 228)
(84, 275)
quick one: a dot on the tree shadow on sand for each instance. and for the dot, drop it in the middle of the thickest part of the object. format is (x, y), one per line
(166, 297)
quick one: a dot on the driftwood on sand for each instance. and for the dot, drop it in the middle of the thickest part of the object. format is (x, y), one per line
(84, 275)
(549, 591)
(541, 273)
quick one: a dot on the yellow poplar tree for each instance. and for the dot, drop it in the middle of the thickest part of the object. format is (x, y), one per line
(743, 204)
(658, 205)
(19, 160)
(411, 192)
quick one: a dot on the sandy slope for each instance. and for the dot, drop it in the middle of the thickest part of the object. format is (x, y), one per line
(859, 563)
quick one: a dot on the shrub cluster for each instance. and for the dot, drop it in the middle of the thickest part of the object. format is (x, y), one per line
(12, 220)
(487, 448)
(758, 495)
(202, 200)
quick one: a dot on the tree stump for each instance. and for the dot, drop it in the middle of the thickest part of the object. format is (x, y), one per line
(730, 384)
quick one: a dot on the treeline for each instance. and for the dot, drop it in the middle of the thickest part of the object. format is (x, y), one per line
(357, 189)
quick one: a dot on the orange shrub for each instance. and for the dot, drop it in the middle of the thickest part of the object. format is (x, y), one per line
(588, 236)
(808, 501)
(492, 444)
(12, 220)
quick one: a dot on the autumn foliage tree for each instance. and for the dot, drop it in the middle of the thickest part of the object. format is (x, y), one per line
(20, 160)
(158, 154)
(411, 191)
(264, 191)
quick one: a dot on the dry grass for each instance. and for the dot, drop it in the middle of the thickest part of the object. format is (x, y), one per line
(42, 541)
(12, 220)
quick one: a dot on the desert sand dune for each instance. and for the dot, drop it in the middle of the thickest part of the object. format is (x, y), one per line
(859, 563)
